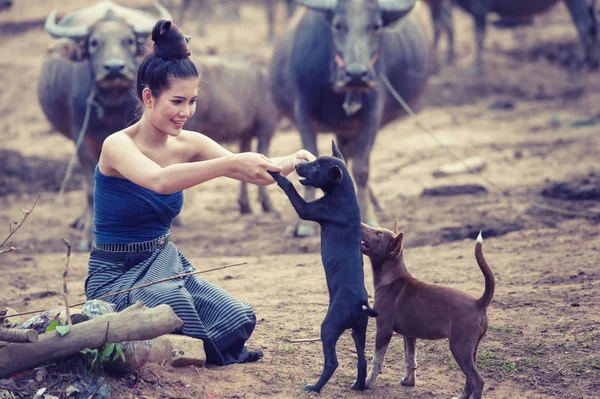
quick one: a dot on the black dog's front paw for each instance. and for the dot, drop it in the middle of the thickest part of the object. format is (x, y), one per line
(281, 180)
(358, 386)
(312, 388)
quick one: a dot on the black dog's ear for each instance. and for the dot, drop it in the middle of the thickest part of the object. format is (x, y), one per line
(335, 174)
(336, 152)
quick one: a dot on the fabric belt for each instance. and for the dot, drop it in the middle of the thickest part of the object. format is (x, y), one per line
(149, 246)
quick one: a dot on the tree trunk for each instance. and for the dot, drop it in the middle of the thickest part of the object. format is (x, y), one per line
(135, 323)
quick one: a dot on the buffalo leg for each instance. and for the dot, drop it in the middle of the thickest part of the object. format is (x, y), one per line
(360, 163)
(308, 133)
(264, 134)
(87, 160)
(447, 22)
(243, 201)
(271, 6)
(584, 18)
(347, 149)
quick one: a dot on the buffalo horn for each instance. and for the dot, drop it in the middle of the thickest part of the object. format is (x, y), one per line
(72, 32)
(397, 5)
(318, 4)
(164, 14)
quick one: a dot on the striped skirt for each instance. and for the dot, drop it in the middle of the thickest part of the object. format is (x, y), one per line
(209, 313)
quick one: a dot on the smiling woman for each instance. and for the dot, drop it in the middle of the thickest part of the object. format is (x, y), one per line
(138, 192)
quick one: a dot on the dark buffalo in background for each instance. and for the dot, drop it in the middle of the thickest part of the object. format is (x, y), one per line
(201, 10)
(235, 105)
(519, 12)
(326, 75)
(5, 4)
(93, 64)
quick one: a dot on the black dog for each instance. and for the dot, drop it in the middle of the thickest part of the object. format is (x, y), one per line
(339, 216)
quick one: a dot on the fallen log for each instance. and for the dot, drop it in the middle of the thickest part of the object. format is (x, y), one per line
(18, 335)
(135, 323)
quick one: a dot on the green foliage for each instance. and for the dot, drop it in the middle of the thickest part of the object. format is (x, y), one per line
(52, 326)
(63, 330)
(103, 355)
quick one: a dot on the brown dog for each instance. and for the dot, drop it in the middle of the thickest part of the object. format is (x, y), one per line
(416, 309)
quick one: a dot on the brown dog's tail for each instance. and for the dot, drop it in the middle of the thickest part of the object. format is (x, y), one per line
(490, 283)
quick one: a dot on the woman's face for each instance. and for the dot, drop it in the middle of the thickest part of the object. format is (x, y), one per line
(175, 105)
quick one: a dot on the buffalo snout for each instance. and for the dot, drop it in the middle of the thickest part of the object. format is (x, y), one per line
(354, 77)
(114, 66)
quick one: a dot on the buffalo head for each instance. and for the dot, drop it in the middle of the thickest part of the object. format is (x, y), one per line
(356, 27)
(110, 37)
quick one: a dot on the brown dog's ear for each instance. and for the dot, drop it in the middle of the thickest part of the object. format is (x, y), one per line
(395, 246)
(335, 174)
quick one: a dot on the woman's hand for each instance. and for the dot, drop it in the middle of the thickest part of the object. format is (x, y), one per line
(288, 162)
(255, 167)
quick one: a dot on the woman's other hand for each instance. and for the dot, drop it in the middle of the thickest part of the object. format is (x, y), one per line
(303, 156)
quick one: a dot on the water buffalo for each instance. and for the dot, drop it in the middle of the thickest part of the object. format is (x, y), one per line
(205, 7)
(5, 4)
(519, 12)
(93, 65)
(234, 104)
(326, 73)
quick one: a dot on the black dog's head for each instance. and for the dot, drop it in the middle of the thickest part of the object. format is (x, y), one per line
(326, 172)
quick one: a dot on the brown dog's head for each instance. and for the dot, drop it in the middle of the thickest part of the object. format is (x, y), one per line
(381, 244)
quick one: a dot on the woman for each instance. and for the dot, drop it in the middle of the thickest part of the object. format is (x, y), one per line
(138, 192)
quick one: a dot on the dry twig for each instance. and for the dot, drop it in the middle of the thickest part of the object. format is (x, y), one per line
(13, 230)
(139, 286)
(65, 273)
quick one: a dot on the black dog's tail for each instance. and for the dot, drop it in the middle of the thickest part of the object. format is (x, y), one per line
(370, 311)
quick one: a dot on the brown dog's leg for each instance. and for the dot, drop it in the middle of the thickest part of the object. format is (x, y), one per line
(382, 340)
(464, 352)
(410, 361)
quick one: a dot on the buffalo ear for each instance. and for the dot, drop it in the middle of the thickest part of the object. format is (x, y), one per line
(335, 174)
(68, 48)
(393, 10)
(389, 17)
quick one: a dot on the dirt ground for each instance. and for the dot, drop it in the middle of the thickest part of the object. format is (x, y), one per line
(533, 121)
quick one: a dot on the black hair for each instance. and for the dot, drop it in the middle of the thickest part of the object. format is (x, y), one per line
(169, 57)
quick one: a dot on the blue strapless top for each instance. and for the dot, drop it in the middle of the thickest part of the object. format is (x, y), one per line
(125, 212)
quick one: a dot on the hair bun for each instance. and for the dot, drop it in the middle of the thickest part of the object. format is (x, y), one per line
(169, 40)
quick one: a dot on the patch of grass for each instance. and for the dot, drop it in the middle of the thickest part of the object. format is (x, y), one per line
(529, 362)
(494, 364)
(536, 348)
(566, 346)
(345, 379)
(288, 348)
(506, 328)
(508, 367)
(486, 358)
(259, 374)
(450, 362)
